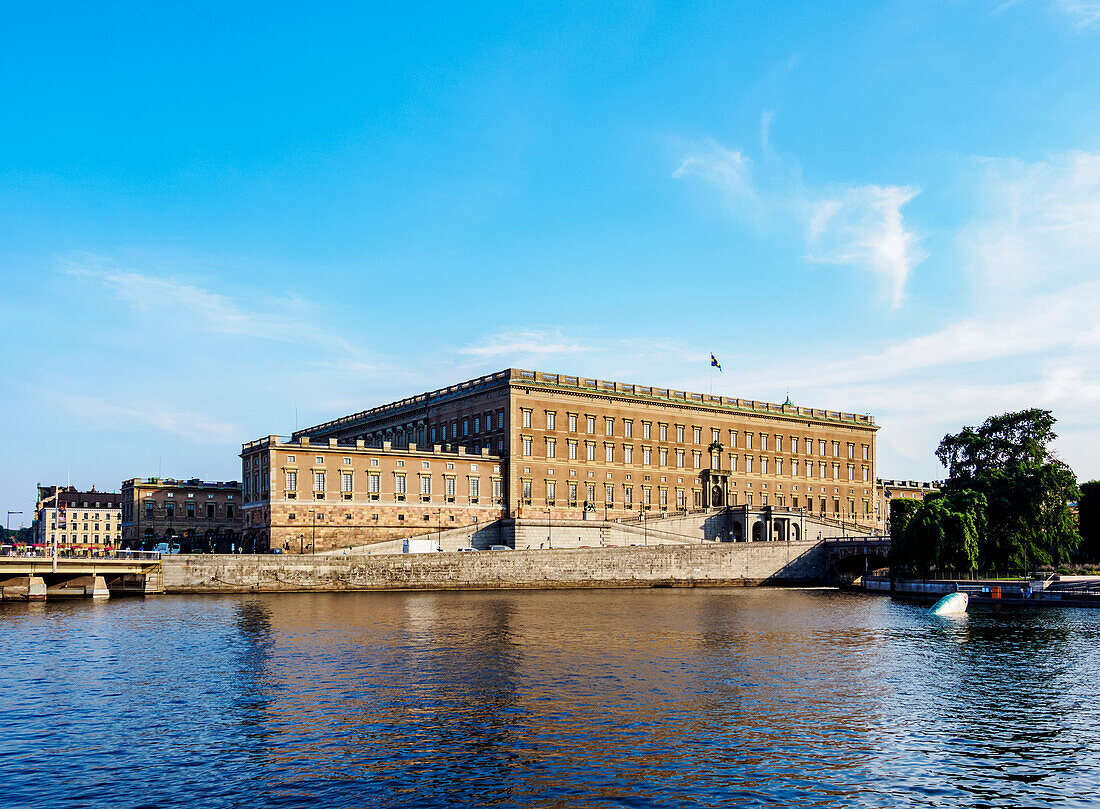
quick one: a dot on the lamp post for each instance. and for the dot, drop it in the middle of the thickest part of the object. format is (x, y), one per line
(439, 528)
(645, 531)
(301, 543)
(549, 543)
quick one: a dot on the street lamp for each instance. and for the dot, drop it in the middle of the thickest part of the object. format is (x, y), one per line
(549, 544)
(313, 540)
(645, 531)
(301, 543)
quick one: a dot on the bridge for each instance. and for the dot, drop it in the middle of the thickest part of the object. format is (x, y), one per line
(37, 578)
(848, 556)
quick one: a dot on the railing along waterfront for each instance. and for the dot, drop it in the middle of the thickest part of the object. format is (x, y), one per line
(46, 552)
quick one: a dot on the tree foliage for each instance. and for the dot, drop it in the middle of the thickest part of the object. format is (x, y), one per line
(23, 535)
(944, 533)
(1088, 520)
(1026, 489)
(902, 510)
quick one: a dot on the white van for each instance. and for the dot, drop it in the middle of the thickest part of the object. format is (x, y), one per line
(165, 548)
(499, 548)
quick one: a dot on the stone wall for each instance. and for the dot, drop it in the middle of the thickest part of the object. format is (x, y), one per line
(480, 536)
(711, 564)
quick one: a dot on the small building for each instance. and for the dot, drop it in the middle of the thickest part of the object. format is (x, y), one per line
(74, 519)
(199, 516)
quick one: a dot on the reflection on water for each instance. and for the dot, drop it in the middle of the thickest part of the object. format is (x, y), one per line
(571, 698)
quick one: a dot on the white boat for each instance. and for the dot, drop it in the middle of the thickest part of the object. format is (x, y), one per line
(951, 604)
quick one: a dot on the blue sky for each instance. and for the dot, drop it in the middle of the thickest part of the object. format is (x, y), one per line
(218, 219)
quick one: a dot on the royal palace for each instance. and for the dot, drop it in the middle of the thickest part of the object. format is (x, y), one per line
(530, 445)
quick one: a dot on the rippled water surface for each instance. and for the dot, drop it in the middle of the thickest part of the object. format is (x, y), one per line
(570, 698)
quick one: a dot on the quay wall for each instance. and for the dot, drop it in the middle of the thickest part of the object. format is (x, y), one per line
(710, 564)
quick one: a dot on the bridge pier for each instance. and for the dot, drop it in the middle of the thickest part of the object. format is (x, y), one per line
(137, 584)
(97, 589)
(23, 588)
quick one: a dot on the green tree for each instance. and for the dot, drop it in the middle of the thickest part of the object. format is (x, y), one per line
(1088, 520)
(902, 556)
(1027, 489)
(944, 534)
(902, 510)
(21, 535)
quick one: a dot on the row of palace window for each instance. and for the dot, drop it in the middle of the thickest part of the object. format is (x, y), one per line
(573, 490)
(400, 486)
(747, 439)
(750, 462)
(190, 510)
(469, 425)
(448, 430)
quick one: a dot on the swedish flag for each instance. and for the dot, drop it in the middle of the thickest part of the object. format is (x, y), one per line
(715, 363)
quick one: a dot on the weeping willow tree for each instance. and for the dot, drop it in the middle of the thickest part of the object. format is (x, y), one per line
(944, 534)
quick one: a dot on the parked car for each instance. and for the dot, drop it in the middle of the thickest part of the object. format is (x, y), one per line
(165, 548)
(499, 548)
(467, 550)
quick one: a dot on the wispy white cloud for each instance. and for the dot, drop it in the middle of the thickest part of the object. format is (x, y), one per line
(1084, 13)
(730, 170)
(860, 226)
(518, 344)
(1038, 224)
(95, 411)
(1031, 337)
(206, 310)
(766, 119)
(1032, 252)
(1056, 321)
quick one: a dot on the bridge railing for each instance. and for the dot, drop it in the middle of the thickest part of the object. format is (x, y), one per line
(47, 552)
(859, 539)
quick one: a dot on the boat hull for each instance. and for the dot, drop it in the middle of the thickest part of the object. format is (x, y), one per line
(951, 604)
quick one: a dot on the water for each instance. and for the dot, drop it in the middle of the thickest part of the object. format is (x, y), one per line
(572, 698)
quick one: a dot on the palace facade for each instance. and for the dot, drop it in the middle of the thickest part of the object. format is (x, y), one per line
(562, 447)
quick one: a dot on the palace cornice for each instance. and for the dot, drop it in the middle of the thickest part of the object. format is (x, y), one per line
(613, 397)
